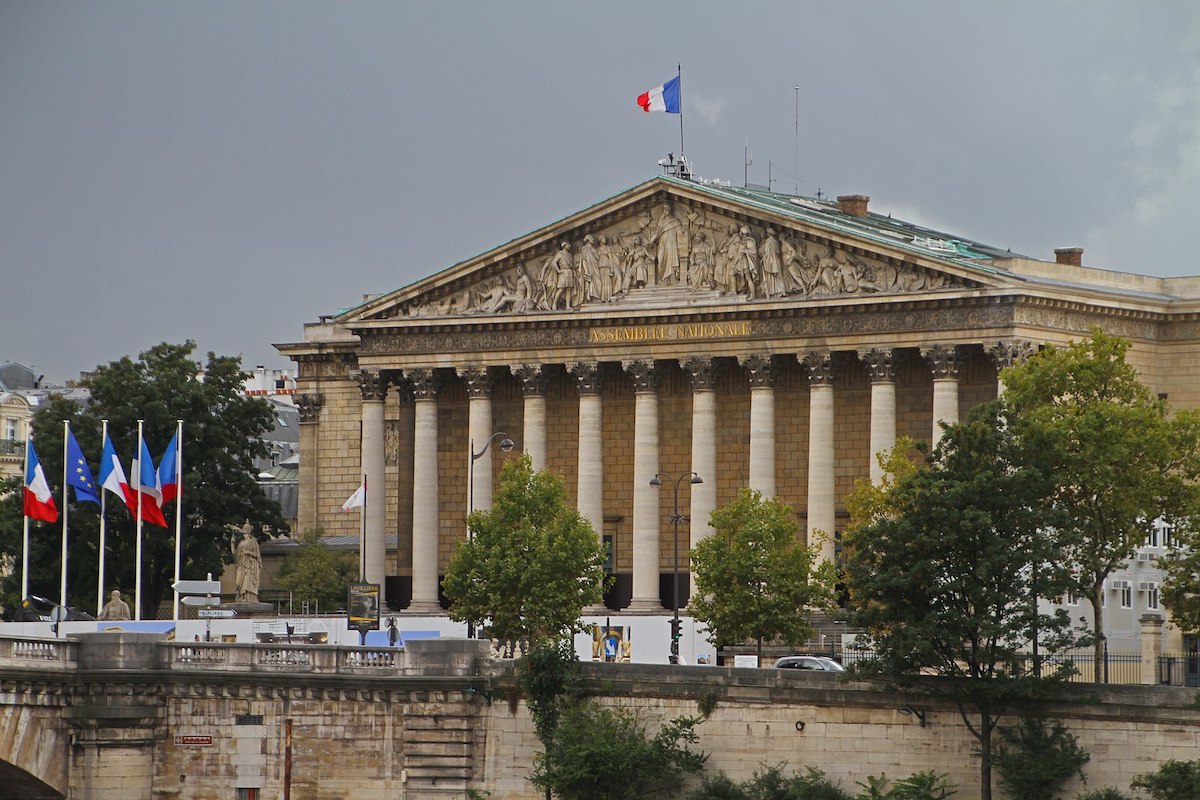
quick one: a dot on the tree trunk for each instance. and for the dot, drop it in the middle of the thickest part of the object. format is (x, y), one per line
(1098, 631)
(985, 765)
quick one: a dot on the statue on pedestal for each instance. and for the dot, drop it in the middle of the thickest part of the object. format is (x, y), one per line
(247, 568)
(115, 608)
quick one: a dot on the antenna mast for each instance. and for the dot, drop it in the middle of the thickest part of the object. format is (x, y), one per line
(796, 145)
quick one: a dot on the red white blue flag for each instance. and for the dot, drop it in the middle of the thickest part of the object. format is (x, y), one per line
(112, 476)
(168, 480)
(39, 503)
(661, 98)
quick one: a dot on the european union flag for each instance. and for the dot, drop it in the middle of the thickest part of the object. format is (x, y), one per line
(79, 474)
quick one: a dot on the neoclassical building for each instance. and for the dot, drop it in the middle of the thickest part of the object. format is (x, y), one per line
(756, 339)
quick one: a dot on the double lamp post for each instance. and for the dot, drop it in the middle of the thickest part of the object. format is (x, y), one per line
(676, 518)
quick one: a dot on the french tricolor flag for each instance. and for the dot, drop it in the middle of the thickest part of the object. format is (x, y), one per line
(661, 98)
(39, 503)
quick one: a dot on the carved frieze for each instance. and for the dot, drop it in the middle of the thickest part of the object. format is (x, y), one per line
(670, 245)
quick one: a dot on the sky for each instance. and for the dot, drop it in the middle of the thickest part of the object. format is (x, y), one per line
(228, 171)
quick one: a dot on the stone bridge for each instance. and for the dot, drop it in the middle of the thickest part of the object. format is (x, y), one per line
(134, 717)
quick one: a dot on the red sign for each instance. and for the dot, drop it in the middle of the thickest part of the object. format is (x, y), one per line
(194, 741)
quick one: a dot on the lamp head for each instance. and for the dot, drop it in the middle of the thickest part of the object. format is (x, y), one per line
(696, 478)
(655, 481)
(506, 444)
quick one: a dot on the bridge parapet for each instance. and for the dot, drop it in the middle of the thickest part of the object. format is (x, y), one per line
(38, 653)
(315, 658)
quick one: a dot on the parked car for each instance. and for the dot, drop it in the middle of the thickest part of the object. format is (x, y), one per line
(813, 663)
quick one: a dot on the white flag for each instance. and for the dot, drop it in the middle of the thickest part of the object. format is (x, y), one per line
(356, 500)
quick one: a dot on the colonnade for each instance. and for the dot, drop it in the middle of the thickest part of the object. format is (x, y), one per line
(644, 374)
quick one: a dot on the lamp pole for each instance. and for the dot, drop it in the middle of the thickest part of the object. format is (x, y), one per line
(506, 444)
(676, 518)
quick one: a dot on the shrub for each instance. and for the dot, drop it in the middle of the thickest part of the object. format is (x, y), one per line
(770, 783)
(918, 786)
(1173, 780)
(1036, 757)
(1104, 794)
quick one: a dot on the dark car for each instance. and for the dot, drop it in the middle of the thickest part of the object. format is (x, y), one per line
(811, 663)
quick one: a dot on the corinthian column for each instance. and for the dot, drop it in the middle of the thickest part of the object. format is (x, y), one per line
(762, 423)
(373, 548)
(883, 405)
(942, 360)
(590, 494)
(479, 435)
(1006, 353)
(704, 444)
(533, 429)
(821, 503)
(645, 497)
(308, 505)
(425, 492)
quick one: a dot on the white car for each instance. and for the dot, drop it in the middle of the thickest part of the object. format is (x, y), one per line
(812, 663)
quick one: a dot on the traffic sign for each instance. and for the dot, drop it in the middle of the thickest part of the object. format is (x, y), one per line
(216, 613)
(197, 587)
(193, 600)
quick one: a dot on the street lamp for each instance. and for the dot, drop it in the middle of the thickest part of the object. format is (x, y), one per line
(676, 518)
(506, 444)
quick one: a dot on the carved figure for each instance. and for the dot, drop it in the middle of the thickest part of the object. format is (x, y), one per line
(559, 277)
(700, 263)
(587, 288)
(638, 266)
(799, 271)
(726, 256)
(523, 294)
(666, 240)
(247, 568)
(115, 608)
(745, 267)
(608, 270)
(772, 267)
(498, 298)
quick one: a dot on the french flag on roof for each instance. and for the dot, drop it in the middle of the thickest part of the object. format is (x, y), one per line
(661, 98)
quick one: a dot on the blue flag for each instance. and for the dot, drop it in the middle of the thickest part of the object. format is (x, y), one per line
(79, 474)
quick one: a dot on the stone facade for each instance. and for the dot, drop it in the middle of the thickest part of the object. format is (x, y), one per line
(777, 342)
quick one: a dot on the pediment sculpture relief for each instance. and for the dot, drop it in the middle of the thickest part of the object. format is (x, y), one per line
(693, 252)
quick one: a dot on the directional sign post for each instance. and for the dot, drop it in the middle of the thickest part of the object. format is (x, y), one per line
(195, 600)
(216, 613)
(197, 587)
(203, 593)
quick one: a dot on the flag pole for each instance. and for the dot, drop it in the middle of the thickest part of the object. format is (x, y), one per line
(679, 68)
(62, 583)
(178, 506)
(137, 583)
(25, 535)
(100, 566)
(362, 535)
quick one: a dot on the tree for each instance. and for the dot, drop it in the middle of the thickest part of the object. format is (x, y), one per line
(606, 753)
(944, 580)
(222, 430)
(754, 578)
(1119, 461)
(314, 573)
(531, 564)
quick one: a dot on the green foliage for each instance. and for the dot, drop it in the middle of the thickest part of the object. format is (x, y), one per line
(770, 783)
(606, 753)
(550, 680)
(1036, 757)
(1173, 780)
(918, 786)
(222, 430)
(754, 579)
(1104, 794)
(944, 581)
(532, 563)
(1119, 460)
(316, 574)
(706, 703)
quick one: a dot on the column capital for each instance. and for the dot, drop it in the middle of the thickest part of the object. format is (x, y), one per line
(758, 369)
(1007, 353)
(533, 379)
(703, 371)
(310, 404)
(820, 367)
(587, 376)
(943, 361)
(645, 378)
(478, 381)
(879, 364)
(424, 383)
(373, 384)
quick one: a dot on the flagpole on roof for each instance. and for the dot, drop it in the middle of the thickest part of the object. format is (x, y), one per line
(178, 506)
(362, 535)
(25, 516)
(100, 566)
(679, 69)
(62, 582)
(137, 583)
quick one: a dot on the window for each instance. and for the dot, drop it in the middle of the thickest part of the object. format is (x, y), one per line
(1152, 599)
(247, 794)
(10, 428)
(1126, 596)
(1072, 598)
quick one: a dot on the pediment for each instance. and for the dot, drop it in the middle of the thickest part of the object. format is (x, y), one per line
(669, 242)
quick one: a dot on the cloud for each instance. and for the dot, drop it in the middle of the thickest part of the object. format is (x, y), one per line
(709, 108)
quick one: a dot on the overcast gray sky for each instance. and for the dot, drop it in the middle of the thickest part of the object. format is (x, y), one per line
(227, 171)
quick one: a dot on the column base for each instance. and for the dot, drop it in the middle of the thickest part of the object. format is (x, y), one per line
(425, 608)
(645, 605)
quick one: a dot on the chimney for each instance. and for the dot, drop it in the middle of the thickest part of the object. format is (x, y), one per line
(1071, 256)
(853, 204)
